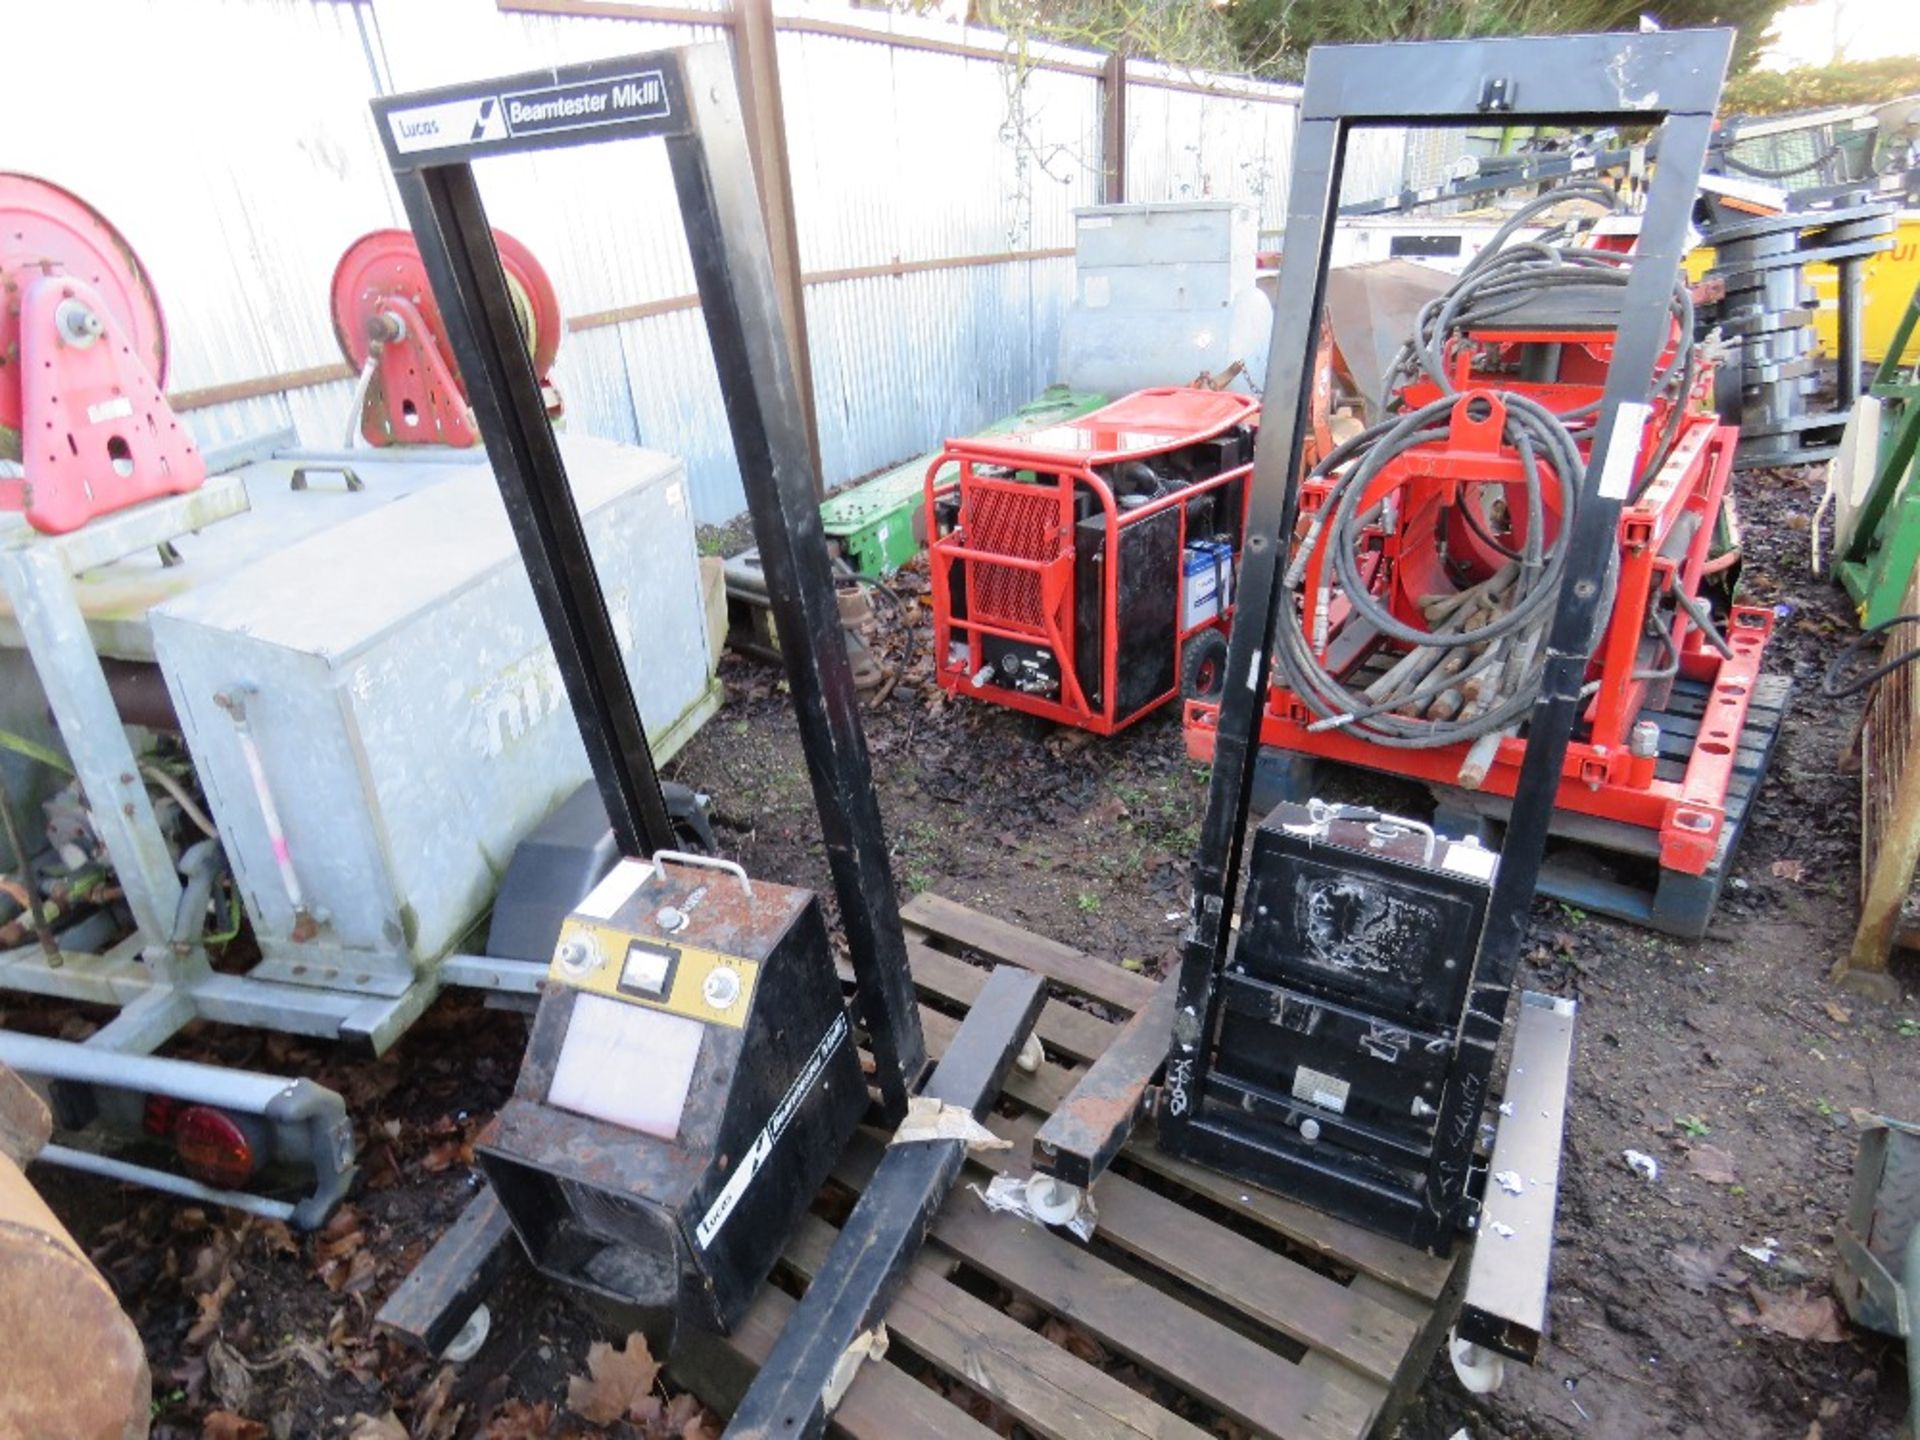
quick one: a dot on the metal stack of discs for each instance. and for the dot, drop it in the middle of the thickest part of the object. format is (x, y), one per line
(1767, 316)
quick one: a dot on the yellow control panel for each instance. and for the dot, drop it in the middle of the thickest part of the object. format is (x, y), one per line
(653, 971)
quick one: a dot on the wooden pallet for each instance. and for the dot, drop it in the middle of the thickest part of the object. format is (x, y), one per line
(1599, 865)
(1239, 1304)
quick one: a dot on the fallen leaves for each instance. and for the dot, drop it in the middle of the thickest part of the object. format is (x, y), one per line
(377, 1427)
(1792, 870)
(1794, 1316)
(617, 1380)
(225, 1425)
(1711, 1164)
(1702, 1267)
(518, 1420)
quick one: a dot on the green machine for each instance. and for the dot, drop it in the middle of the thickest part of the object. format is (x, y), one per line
(872, 523)
(1876, 540)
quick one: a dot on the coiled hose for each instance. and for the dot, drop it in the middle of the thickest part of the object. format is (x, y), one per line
(1473, 671)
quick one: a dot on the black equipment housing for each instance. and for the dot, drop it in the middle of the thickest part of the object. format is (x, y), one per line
(1343, 996)
(671, 1227)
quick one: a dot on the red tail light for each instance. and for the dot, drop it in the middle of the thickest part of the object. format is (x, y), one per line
(214, 1150)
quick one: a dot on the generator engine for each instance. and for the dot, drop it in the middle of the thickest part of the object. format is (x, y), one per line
(690, 1077)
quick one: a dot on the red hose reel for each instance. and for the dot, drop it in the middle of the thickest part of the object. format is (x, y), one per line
(389, 328)
(83, 363)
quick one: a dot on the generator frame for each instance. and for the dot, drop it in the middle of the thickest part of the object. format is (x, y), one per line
(1060, 476)
(1670, 79)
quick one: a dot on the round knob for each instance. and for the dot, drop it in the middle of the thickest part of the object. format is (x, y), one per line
(1309, 1129)
(722, 988)
(578, 955)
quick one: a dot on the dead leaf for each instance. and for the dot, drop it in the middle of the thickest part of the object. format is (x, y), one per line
(1837, 1012)
(227, 1376)
(615, 1382)
(376, 1427)
(1711, 1164)
(210, 1305)
(1074, 1341)
(433, 1419)
(517, 1420)
(1788, 870)
(225, 1425)
(1796, 1316)
(1701, 1267)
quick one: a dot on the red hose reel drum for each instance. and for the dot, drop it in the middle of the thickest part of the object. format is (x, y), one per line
(389, 328)
(83, 363)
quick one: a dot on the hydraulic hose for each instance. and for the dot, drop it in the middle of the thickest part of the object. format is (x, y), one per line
(1472, 671)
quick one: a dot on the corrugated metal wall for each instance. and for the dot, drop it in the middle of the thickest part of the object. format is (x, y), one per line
(1235, 143)
(242, 180)
(905, 156)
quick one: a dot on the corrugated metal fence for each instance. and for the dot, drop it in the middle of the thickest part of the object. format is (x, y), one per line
(934, 184)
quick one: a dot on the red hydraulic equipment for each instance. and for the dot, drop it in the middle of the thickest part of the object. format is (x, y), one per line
(1084, 572)
(83, 363)
(1396, 652)
(388, 326)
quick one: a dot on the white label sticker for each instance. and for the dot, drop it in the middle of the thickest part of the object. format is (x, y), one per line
(1469, 860)
(614, 891)
(1316, 1087)
(1097, 293)
(1623, 450)
(730, 1194)
(452, 122)
(117, 408)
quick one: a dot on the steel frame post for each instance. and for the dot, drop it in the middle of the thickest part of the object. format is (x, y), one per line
(1672, 78)
(689, 98)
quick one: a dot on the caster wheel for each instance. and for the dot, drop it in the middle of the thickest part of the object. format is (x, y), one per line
(464, 1346)
(1480, 1371)
(1055, 1202)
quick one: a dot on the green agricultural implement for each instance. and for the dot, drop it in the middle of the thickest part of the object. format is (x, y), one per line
(1876, 540)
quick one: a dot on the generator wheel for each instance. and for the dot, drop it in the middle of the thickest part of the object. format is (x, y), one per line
(1203, 666)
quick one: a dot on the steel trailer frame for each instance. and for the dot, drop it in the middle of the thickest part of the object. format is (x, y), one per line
(1052, 573)
(1671, 79)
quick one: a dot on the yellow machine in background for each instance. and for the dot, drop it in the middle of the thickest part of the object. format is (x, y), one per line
(1886, 285)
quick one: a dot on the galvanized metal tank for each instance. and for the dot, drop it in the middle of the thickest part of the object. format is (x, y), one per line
(377, 717)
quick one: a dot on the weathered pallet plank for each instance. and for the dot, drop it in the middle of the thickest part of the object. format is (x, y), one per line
(1241, 1378)
(1166, 1286)
(1070, 969)
(883, 1403)
(1061, 1028)
(1040, 1384)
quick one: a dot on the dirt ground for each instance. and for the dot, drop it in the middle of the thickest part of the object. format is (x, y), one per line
(1732, 1061)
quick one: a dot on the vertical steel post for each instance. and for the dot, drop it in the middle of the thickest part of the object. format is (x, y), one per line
(456, 246)
(734, 269)
(1113, 130)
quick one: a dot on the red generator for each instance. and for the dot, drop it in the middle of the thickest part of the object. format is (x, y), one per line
(1426, 561)
(1084, 572)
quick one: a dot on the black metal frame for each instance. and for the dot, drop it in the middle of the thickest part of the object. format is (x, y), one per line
(1670, 78)
(689, 98)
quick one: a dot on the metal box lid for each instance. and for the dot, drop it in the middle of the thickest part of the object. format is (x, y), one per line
(336, 593)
